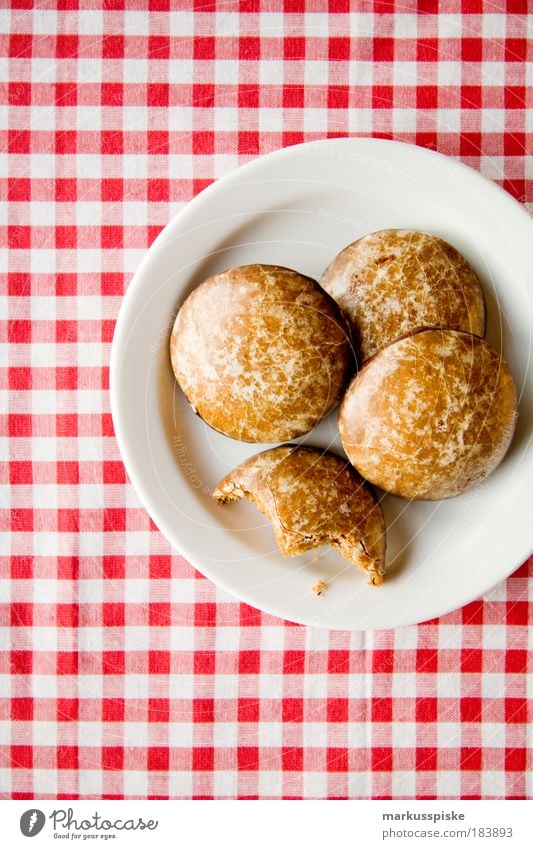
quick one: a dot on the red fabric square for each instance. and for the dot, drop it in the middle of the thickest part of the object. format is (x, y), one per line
(112, 189)
(471, 49)
(159, 46)
(337, 710)
(19, 93)
(203, 143)
(204, 662)
(516, 760)
(112, 758)
(113, 46)
(339, 661)
(66, 377)
(18, 141)
(517, 612)
(67, 615)
(115, 519)
(19, 377)
(471, 759)
(204, 47)
(21, 757)
(21, 519)
(516, 710)
(68, 710)
(19, 189)
(249, 143)
(66, 46)
(66, 94)
(382, 660)
(249, 662)
(292, 710)
(19, 424)
(114, 662)
(339, 48)
(21, 662)
(158, 662)
(18, 285)
(203, 710)
(337, 760)
(381, 759)
(382, 97)
(111, 236)
(112, 94)
(294, 662)
(203, 759)
(67, 663)
(66, 284)
(516, 661)
(67, 757)
(293, 97)
(113, 614)
(427, 96)
(205, 614)
(248, 96)
(158, 191)
(158, 758)
(427, 49)
(68, 521)
(68, 472)
(19, 330)
(22, 709)
(158, 142)
(18, 237)
(426, 760)
(471, 709)
(112, 710)
(247, 758)
(514, 97)
(66, 141)
(158, 710)
(160, 566)
(20, 472)
(111, 141)
(20, 45)
(248, 710)
(338, 97)
(159, 614)
(21, 567)
(471, 660)
(381, 710)
(426, 709)
(427, 660)
(383, 49)
(21, 613)
(249, 47)
(292, 759)
(293, 48)
(157, 94)
(66, 189)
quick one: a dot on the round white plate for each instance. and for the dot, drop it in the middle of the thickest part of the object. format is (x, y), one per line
(298, 207)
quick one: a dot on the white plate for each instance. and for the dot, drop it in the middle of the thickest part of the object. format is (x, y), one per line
(298, 207)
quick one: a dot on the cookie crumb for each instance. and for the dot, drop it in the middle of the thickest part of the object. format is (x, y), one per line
(319, 587)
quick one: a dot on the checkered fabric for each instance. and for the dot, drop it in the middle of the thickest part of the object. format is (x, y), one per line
(123, 672)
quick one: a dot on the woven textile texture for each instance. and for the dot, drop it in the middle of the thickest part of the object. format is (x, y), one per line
(123, 672)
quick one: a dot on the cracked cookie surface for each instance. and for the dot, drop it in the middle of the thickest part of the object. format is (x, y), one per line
(393, 282)
(261, 352)
(431, 415)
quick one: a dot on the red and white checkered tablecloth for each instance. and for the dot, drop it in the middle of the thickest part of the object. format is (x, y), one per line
(123, 672)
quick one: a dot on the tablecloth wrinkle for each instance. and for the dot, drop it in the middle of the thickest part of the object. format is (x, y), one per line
(123, 672)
